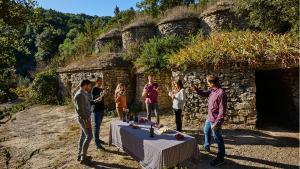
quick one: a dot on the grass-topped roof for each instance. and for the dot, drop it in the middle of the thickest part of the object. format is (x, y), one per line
(254, 48)
(140, 21)
(179, 13)
(104, 61)
(218, 7)
(112, 33)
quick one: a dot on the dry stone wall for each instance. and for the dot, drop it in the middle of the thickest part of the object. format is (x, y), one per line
(239, 85)
(70, 82)
(137, 35)
(181, 28)
(220, 20)
(164, 80)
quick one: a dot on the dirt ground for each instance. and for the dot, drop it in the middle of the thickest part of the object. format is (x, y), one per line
(46, 137)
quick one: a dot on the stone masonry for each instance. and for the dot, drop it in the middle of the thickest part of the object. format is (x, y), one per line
(137, 34)
(239, 85)
(181, 28)
(164, 80)
(111, 77)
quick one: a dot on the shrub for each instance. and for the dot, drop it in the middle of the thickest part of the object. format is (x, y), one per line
(110, 47)
(247, 46)
(132, 51)
(271, 15)
(7, 82)
(24, 93)
(155, 54)
(45, 88)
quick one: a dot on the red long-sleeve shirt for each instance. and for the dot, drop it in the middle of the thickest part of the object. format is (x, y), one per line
(217, 104)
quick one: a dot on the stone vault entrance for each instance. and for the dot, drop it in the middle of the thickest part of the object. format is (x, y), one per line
(277, 98)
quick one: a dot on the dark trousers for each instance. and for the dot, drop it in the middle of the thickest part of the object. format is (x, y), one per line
(152, 107)
(178, 119)
(98, 117)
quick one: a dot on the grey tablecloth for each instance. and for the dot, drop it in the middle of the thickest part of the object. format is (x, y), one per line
(152, 153)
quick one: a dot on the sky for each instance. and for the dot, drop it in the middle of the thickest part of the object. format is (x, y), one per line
(89, 7)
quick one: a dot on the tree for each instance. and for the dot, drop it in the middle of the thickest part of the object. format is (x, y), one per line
(47, 43)
(150, 7)
(14, 15)
(155, 7)
(117, 11)
(271, 15)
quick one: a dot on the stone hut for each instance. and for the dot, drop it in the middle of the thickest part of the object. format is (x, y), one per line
(219, 17)
(264, 95)
(113, 36)
(182, 24)
(111, 67)
(137, 32)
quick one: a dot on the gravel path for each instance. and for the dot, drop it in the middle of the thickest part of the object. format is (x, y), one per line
(46, 137)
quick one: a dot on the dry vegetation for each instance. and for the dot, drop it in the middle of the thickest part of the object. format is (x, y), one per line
(247, 46)
(179, 13)
(139, 21)
(215, 6)
(112, 33)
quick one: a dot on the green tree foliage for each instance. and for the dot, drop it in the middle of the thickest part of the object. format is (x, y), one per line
(47, 43)
(45, 88)
(29, 35)
(117, 11)
(154, 55)
(155, 7)
(13, 16)
(270, 15)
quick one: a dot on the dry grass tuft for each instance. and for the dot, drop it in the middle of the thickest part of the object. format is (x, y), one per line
(140, 21)
(179, 13)
(112, 33)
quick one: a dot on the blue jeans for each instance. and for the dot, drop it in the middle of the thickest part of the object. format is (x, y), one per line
(98, 117)
(217, 137)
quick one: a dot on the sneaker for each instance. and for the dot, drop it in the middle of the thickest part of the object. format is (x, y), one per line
(207, 149)
(79, 157)
(85, 160)
(100, 147)
(216, 162)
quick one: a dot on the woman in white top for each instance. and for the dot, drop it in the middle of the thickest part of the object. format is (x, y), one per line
(178, 97)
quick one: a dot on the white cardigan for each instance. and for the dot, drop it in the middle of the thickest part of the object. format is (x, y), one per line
(178, 100)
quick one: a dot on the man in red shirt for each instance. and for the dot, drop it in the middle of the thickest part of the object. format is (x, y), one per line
(150, 93)
(217, 105)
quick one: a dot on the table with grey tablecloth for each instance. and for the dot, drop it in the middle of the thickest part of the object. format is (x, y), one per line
(162, 150)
